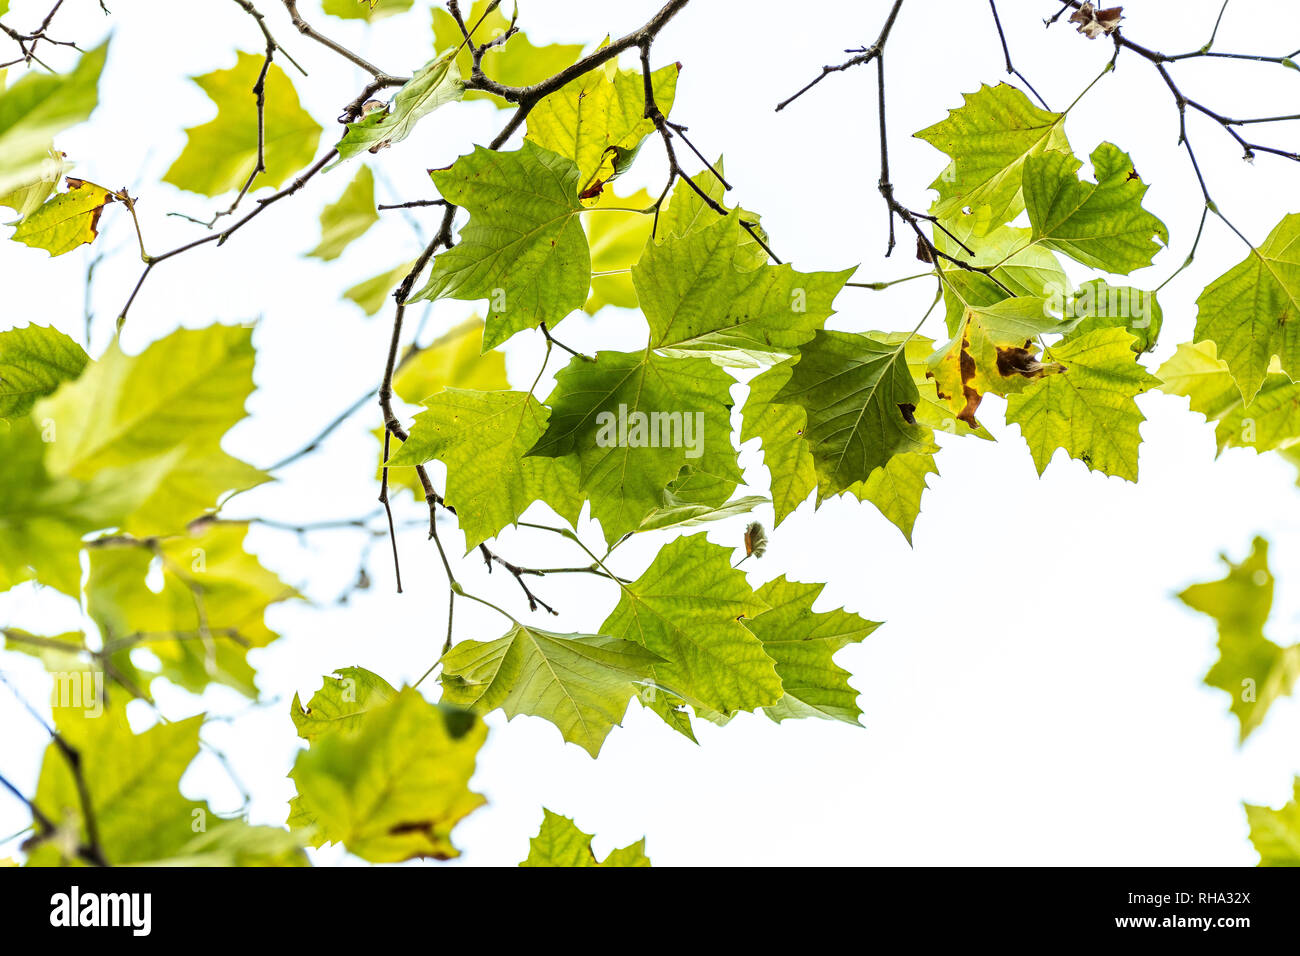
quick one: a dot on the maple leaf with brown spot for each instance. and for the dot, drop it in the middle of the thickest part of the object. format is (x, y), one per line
(1094, 23)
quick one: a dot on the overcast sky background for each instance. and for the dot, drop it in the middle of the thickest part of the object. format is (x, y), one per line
(1035, 696)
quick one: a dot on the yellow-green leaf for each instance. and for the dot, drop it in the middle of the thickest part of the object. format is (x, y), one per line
(561, 843)
(66, 221)
(349, 217)
(221, 154)
(392, 787)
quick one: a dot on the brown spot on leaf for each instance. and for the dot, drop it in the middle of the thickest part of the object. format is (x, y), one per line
(908, 411)
(1013, 360)
(592, 191)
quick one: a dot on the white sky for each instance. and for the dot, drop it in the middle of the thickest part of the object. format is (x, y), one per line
(1035, 696)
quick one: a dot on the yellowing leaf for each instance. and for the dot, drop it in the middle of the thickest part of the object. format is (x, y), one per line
(66, 221)
(992, 351)
(221, 154)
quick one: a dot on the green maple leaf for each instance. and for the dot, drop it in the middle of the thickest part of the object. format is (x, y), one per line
(349, 217)
(989, 139)
(1099, 224)
(523, 248)
(1098, 305)
(434, 85)
(34, 361)
(686, 609)
(66, 221)
(169, 406)
(517, 62)
(625, 476)
(454, 360)
(37, 107)
(1017, 265)
(860, 400)
(895, 489)
(1087, 407)
(582, 683)
(201, 625)
(1196, 371)
(698, 299)
(393, 787)
(482, 437)
(687, 212)
(781, 428)
(598, 119)
(1249, 312)
(560, 843)
(1276, 833)
(129, 778)
(803, 643)
(221, 154)
(341, 702)
(1251, 668)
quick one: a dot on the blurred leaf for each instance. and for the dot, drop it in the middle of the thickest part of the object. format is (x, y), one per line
(349, 218)
(220, 155)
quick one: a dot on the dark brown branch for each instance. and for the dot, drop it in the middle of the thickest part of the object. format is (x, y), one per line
(863, 55)
(1006, 52)
(220, 237)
